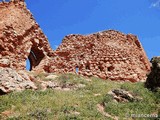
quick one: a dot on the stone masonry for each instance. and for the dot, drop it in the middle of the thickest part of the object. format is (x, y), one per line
(108, 54)
(20, 37)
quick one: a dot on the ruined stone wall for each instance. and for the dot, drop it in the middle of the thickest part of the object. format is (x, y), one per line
(20, 37)
(108, 54)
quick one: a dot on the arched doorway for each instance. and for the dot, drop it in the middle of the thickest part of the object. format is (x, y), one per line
(34, 58)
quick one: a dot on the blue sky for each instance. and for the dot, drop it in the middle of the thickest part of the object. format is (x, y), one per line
(58, 18)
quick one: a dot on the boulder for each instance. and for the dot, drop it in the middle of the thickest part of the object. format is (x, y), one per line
(11, 80)
(120, 95)
(153, 79)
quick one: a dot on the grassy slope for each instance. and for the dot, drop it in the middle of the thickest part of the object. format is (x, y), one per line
(80, 104)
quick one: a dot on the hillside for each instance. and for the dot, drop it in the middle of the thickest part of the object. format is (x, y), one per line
(99, 76)
(78, 98)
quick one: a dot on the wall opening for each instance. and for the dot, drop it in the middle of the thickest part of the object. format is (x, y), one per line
(35, 57)
(28, 65)
(77, 69)
(32, 60)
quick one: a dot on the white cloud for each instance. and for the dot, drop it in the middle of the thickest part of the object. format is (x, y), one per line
(156, 4)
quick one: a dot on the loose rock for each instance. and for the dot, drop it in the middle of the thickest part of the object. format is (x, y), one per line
(121, 95)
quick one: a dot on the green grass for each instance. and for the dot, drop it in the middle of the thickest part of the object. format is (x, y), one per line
(79, 104)
(150, 103)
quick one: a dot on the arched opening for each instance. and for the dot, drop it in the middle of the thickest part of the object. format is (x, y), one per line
(28, 65)
(34, 58)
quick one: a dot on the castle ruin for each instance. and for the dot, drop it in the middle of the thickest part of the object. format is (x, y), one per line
(107, 54)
